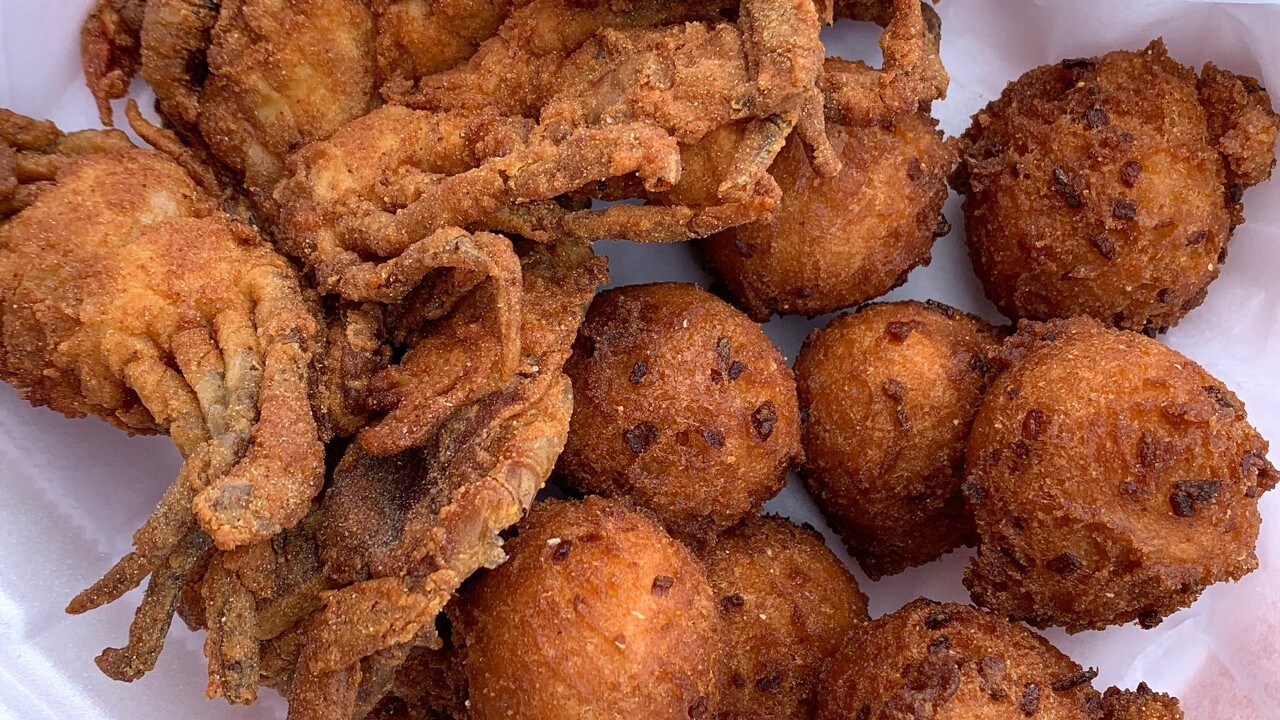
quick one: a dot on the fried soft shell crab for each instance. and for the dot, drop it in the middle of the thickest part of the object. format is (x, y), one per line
(128, 294)
(431, 167)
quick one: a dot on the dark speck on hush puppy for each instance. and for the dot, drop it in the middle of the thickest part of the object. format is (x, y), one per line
(1110, 186)
(1112, 479)
(682, 406)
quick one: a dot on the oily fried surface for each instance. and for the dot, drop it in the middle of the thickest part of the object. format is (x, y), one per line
(244, 82)
(953, 662)
(890, 392)
(1112, 480)
(682, 405)
(839, 241)
(429, 686)
(787, 604)
(516, 70)
(53, 278)
(417, 38)
(597, 613)
(401, 532)
(374, 495)
(375, 188)
(1109, 186)
(123, 267)
(1140, 704)
(126, 293)
(281, 76)
(111, 49)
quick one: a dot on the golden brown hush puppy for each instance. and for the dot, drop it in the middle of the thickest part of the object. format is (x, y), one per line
(1112, 479)
(682, 405)
(953, 662)
(1140, 704)
(889, 393)
(839, 241)
(599, 614)
(1109, 186)
(787, 603)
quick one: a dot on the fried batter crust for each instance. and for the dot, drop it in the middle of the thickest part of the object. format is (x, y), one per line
(839, 241)
(1111, 478)
(682, 405)
(1140, 704)
(788, 604)
(1109, 186)
(953, 662)
(598, 613)
(889, 394)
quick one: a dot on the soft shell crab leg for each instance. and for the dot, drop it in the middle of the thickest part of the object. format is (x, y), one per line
(381, 614)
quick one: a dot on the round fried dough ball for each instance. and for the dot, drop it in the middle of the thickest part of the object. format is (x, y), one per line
(889, 393)
(1109, 186)
(1140, 704)
(787, 603)
(839, 241)
(953, 662)
(599, 614)
(1111, 478)
(682, 405)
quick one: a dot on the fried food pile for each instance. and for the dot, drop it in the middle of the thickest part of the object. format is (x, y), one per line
(354, 283)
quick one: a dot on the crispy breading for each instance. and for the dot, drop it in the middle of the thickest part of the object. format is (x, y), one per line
(889, 394)
(1128, 184)
(598, 613)
(788, 604)
(1140, 704)
(683, 406)
(835, 242)
(245, 82)
(952, 661)
(1111, 478)
(127, 294)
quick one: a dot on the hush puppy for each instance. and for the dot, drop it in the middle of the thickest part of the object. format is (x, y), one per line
(1109, 186)
(681, 405)
(787, 603)
(930, 660)
(599, 614)
(840, 241)
(1111, 478)
(889, 394)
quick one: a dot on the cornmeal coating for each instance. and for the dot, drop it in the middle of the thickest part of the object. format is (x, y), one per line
(1111, 478)
(1110, 186)
(890, 392)
(598, 613)
(681, 405)
(953, 662)
(1141, 704)
(839, 241)
(787, 603)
